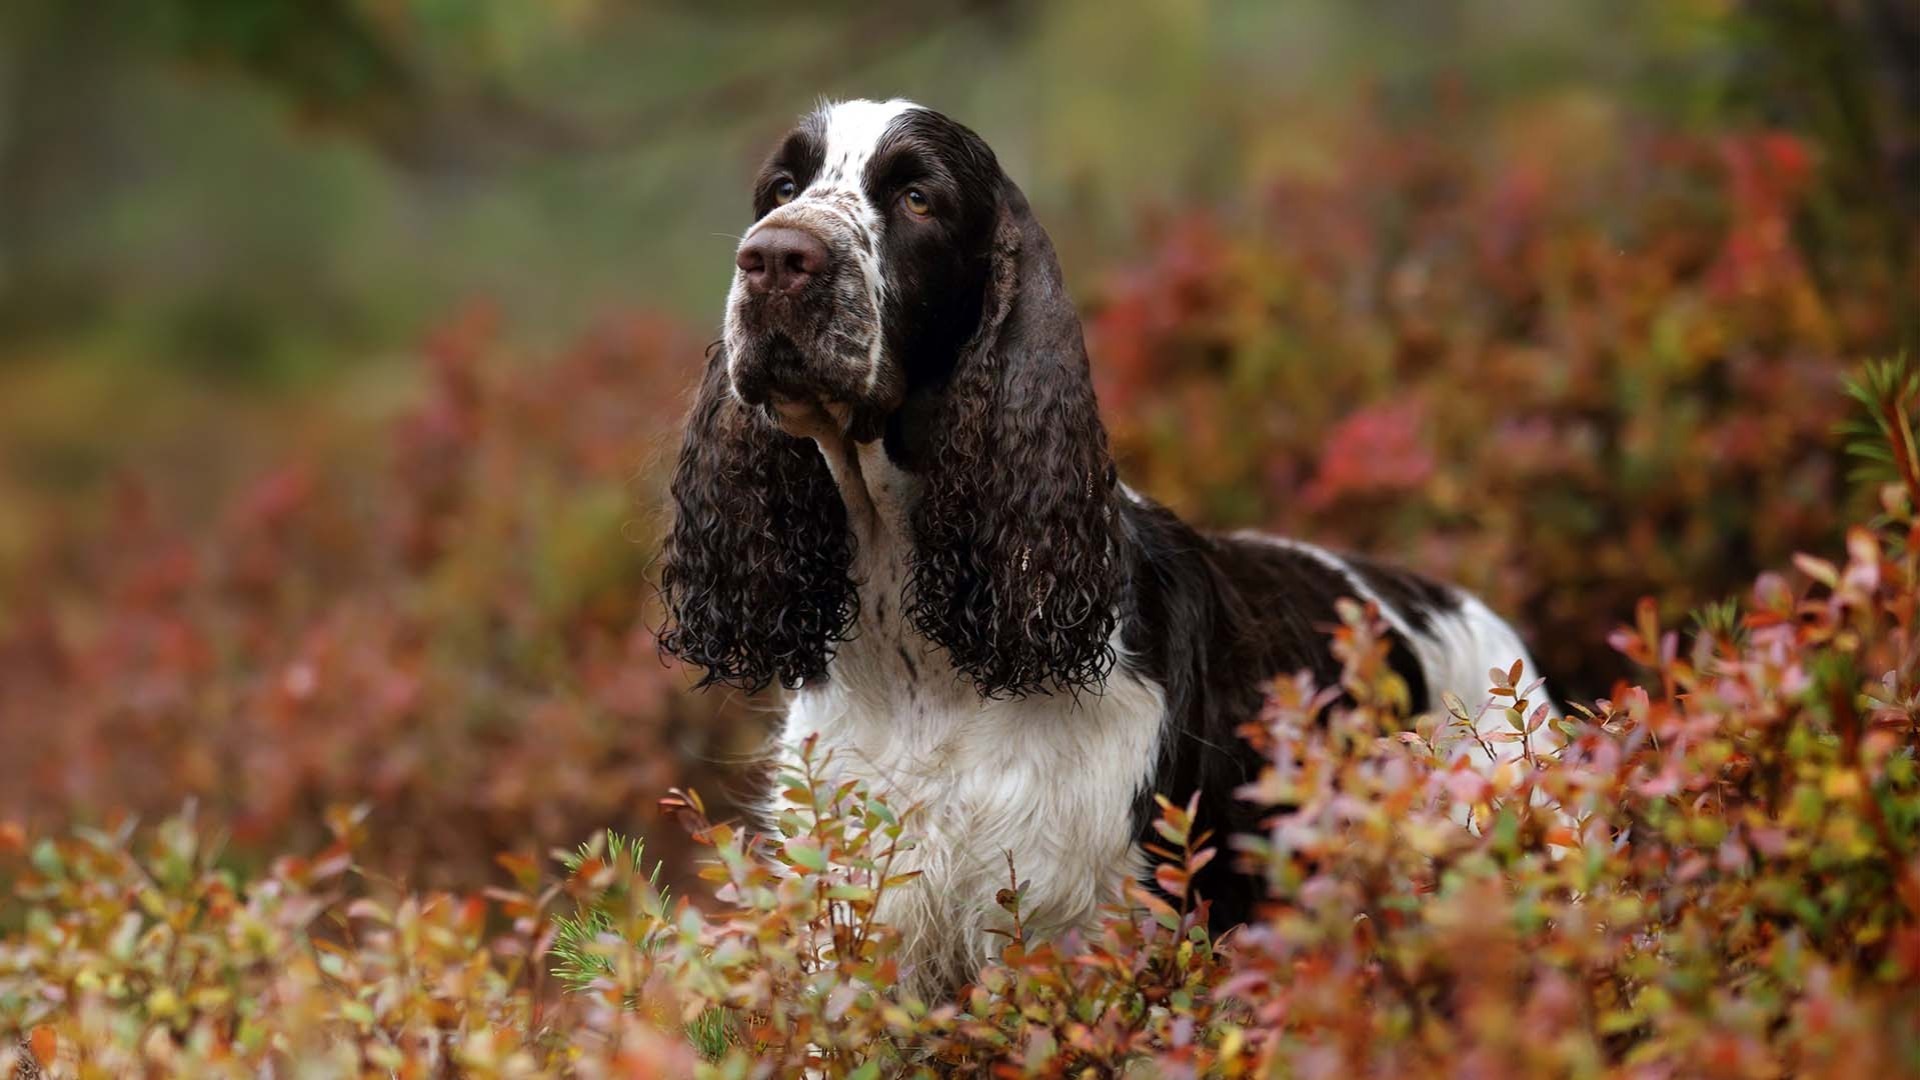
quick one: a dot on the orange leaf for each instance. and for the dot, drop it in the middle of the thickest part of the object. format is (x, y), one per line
(1171, 878)
(45, 1044)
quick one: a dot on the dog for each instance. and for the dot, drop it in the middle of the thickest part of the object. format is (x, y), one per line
(894, 498)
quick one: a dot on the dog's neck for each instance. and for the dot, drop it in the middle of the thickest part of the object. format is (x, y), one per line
(886, 657)
(878, 493)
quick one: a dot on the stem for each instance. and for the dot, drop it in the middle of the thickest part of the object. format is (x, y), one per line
(1900, 434)
(1847, 722)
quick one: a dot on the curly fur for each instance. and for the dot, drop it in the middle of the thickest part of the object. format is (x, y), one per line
(754, 573)
(945, 561)
(1015, 566)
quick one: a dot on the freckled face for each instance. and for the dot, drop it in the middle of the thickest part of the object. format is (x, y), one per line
(863, 273)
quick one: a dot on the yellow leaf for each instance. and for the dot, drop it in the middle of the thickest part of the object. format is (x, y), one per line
(1841, 784)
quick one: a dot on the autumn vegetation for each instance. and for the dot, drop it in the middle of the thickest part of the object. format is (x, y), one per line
(365, 763)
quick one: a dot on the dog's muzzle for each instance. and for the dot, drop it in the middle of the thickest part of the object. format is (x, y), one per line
(802, 324)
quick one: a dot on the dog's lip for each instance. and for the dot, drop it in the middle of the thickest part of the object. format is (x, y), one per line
(797, 397)
(776, 391)
(779, 306)
(813, 418)
(811, 406)
(787, 398)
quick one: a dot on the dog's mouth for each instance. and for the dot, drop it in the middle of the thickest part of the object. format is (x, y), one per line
(816, 346)
(820, 397)
(773, 370)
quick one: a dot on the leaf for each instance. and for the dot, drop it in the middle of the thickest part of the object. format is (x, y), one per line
(45, 1044)
(1818, 569)
(368, 908)
(1171, 878)
(807, 855)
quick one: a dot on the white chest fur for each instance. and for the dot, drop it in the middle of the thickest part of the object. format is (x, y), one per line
(1049, 780)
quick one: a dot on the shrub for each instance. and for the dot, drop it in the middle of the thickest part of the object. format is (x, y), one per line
(445, 624)
(1563, 375)
(1568, 360)
(1712, 873)
(1559, 358)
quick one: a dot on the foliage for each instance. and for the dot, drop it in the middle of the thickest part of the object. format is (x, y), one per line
(1582, 359)
(615, 863)
(1715, 873)
(443, 623)
(1564, 360)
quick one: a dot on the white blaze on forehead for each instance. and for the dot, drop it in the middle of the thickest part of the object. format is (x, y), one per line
(835, 202)
(853, 132)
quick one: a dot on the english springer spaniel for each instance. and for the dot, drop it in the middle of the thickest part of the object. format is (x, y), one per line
(895, 499)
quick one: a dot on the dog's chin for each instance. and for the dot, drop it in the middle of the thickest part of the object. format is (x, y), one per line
(821, 421)
(806, 395)
(771, 371)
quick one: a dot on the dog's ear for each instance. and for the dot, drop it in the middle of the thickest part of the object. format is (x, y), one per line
(1015, 565)
(754, 570)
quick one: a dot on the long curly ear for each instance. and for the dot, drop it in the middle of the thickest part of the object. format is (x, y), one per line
(1015, 564)
(754, 571)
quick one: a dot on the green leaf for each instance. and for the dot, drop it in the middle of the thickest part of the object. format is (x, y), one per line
(807, 855)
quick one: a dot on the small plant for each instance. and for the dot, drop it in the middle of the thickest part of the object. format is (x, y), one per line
(622, 919)
(622, 906)
(1600, 388)
(1882, 438)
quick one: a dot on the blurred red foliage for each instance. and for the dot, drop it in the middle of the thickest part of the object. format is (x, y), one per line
(1565, 362)
(452, 630)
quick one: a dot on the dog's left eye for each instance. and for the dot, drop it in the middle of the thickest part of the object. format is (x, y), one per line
(784, 191)
(916, 201)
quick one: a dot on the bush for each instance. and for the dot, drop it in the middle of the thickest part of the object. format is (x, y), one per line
(445, 624)
(1564, 375)
(1712, 873)
(1563, 360)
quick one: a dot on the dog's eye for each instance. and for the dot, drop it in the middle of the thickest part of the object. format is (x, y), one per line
(916, 201)
(784, 191)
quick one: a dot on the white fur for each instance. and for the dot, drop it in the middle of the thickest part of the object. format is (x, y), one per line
(854, 130)
(1050, 779)
(1457, 650)
(833, 202)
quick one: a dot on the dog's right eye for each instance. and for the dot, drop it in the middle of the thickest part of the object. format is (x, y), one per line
(784, 191)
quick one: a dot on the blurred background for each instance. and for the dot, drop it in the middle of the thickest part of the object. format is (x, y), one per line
(342, 341)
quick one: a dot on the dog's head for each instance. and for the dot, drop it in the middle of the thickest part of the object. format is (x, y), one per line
(895, 283)
(865, 269)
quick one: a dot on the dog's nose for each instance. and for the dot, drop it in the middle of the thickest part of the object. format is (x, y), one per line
(781, 260)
